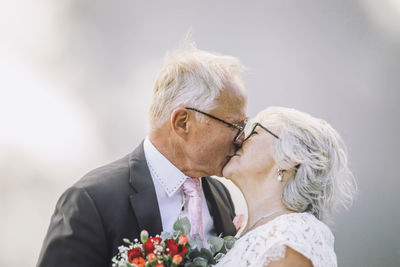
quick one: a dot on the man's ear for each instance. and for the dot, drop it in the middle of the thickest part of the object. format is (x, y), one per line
(179, 122)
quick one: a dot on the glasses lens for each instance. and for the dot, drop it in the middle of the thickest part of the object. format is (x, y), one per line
(240, 134)
(248, 129)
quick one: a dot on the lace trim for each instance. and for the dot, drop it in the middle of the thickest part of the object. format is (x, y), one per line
(300, 231)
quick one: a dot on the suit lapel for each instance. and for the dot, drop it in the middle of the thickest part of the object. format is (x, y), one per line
(144, 199)
(219, 210)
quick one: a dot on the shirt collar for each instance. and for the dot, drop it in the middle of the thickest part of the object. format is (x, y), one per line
(162, 170)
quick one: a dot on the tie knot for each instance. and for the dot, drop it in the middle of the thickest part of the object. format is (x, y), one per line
(191, 187)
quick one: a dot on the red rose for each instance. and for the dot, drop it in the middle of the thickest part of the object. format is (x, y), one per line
(182, 250)
(134, 253)
(139, 261)
(175, 249)
(150, 244)
(172, 247)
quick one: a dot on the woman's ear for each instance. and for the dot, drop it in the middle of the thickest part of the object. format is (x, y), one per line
(179, 122)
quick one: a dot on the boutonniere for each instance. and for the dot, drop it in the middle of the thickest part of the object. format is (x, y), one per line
(238, 222)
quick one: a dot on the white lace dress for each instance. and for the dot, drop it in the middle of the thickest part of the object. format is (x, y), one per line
(300, 231)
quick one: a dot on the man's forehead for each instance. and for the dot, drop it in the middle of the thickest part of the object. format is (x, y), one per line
(231, 105)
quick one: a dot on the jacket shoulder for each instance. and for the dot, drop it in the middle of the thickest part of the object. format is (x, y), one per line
(102, 176)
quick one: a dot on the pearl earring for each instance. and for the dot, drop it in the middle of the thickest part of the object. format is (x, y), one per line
(280, 175)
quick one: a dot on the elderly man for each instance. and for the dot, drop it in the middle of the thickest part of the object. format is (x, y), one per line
(197, 116)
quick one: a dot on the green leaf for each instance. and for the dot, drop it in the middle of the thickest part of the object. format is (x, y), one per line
(229, 241)
(194, 253)
(183, 225)
(206, 254)
(127, 241)
(200, 262)
(218, 257)
(192, 243)
(166, 235)
(167, 258)
(199, 242)
(216, 243)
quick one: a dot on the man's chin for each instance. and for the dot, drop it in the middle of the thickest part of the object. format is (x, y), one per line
(220, 171)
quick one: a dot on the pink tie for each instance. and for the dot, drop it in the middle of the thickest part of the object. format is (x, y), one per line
(191, 188)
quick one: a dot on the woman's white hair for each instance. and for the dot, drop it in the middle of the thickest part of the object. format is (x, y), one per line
(192, 77)
(315, 151)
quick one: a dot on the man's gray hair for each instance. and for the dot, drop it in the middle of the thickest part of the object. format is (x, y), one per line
(322, 180)
(192, 77)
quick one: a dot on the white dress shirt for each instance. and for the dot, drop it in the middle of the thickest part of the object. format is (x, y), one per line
(167, 181)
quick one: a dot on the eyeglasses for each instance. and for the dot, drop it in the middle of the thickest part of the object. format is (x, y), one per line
(253, 128)
(231, 125)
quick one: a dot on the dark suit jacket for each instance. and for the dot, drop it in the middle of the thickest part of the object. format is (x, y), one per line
(111, 203)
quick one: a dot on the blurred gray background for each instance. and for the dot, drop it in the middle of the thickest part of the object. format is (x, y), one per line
(76, 79)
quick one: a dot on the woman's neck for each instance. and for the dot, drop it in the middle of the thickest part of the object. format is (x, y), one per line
(263, 198)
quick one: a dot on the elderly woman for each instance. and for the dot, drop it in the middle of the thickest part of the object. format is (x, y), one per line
(292, 170)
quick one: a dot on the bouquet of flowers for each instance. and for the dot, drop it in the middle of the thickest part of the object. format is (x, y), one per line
(172, 249)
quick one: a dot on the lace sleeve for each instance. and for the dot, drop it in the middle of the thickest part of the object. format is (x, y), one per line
(267, 243)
